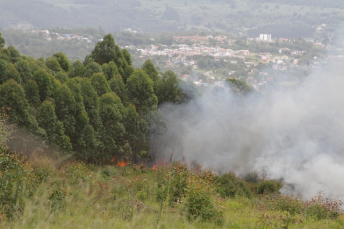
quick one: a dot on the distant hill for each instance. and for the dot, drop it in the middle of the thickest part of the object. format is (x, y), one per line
(231, 16)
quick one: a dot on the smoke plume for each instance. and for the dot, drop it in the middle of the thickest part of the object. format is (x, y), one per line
(294, 134)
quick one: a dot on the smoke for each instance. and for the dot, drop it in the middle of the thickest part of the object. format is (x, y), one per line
(294, 134)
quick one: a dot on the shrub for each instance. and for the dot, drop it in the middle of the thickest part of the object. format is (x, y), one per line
(228, 185)
(172, 182)
(76, 172)
(12, 183)
(321, 207)
(269, 186)
(252, 177)
(199, 202)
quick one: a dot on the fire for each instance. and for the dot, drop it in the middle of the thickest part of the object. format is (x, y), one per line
(155, 167)
(121, 164)
(112, 159)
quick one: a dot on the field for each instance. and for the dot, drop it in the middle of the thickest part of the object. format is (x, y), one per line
(42, 192)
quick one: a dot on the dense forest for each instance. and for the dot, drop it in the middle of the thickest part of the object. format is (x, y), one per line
(100, 110)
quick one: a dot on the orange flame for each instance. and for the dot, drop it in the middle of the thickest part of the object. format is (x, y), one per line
(155, 167)
(121, 164)
(112, 159)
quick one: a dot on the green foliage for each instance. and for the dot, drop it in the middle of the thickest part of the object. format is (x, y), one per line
(110, 70)
(168, 89)
(13, 54)
(12, 96)
(24, 69)
(111, 112)
(127, 56)
(172, 183)
(269, 186)
(151, 71)
(46, 83)
(86, 116)
(61, 76)
(77, 69)
(117, 85)
(141, 92)
(239, 87)
(32, 93)
(91, 68)
(12, 186)
(8, 71)
(228, 185)
(53, 64)
(47, 119)
(200, 203)
(100, 83)
(252, 177)
(2, 41)
(65, 108)
(63, 61)
(104, 51)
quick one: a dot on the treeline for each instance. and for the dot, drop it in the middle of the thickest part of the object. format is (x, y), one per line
(100, 109)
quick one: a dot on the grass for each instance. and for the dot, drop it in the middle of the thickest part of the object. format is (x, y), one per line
(76, 195)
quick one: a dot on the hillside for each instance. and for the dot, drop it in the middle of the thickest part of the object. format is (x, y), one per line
(253, 17)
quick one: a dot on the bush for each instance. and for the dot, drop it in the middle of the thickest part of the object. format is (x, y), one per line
(228, 185)
(252, 177)
(324, 208)
(269, 186)
(12, 183)
(172, 182)
(199, 202)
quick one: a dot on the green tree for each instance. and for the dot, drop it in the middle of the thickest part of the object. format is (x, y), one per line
(168, 89)
(24, 69)
(46, 83)
(111, 112)
(53, 64)
(63, 61)
(32, 93)
(13, 53)
(141, 95)
(8, 71)
(77, 69)
(92, 68)
(65, 109)
(61, 76)
(100, 83)
(117, 85)
(141, 92)
(104, 51)
(239, 87)
(2, 41)
(54, 129)
(83, 139)
(127, 56)
(110, 69)
(12, 96)
(151, 71)
(91, 103)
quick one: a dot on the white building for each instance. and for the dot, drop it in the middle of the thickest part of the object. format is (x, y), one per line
(265, 37)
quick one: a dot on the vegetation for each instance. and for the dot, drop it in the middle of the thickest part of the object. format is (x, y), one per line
(279, 17)
(95, 120)
(96, 110)
(40, 191)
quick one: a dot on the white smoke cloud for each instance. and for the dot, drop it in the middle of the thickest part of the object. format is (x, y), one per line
(296, 134)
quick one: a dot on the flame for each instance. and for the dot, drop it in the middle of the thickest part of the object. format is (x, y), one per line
(121, 164)
(155, 167)
(112, 159)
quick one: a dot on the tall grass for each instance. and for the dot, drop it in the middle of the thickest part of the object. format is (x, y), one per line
(37, 194)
